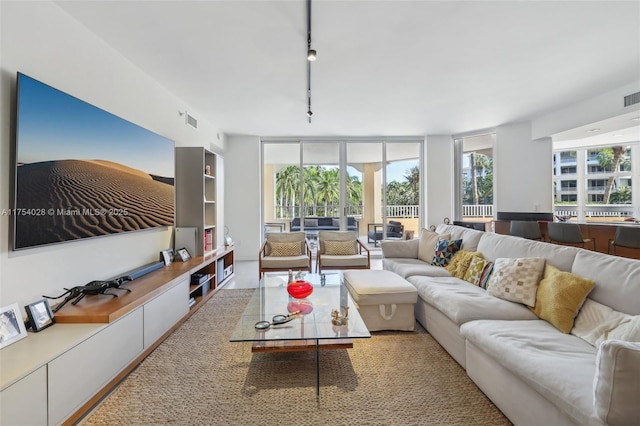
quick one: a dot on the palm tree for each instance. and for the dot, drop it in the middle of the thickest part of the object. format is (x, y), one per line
(354, 193)
(287, 187)
(328, 186)
(412, 179)
(611, 159)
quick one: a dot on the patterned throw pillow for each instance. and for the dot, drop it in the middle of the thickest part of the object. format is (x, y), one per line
(445, 249)
(281, 249)
(486, 275)
(516, 280)
(339, 248)
(479, 271)
(560, 296)
(460, 263)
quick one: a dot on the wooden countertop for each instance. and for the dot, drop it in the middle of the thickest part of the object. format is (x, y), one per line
(104, 308)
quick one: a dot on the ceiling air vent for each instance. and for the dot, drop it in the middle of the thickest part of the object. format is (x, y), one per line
(191, 121)
(632, 99)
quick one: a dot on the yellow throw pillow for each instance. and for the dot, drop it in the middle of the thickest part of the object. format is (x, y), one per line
(339, 248)
(560, 295)
(460, 263)
(281, 249)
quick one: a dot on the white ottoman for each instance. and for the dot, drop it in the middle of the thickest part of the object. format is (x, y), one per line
(385, 300)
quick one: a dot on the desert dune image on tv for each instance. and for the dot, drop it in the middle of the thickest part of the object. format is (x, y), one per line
(82, 172)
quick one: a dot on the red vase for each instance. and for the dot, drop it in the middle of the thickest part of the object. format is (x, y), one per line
(299, 289)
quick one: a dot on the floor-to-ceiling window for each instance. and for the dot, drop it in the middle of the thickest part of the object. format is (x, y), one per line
(595, 183)
(474, 178)
(357, 182)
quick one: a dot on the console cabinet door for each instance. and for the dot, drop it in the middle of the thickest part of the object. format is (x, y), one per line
(25, 402)
(84, 369)
(163, 312)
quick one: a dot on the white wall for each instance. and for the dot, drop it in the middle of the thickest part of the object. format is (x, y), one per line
(597, 108)
(243, 206)
(440, 184)
(522, 170)
(42, 41)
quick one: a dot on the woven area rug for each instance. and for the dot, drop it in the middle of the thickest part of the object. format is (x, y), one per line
(198, 377)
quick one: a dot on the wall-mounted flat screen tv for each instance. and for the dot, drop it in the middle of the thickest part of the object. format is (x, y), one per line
(82, 172)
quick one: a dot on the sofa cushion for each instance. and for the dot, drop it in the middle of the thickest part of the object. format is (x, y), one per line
(279, 249)
(479, 271)
(493, 246)
(460, 263)
(286, 262)
(560, 367)
(617, 383)
(406, 249)
(445, 249)
(406, 267)
(342, 261)
(427, 244)
(461, 301)
(596, 323)
(311, 223)
(559, 297)
(470, 237)
(516, 279)
(617, 280)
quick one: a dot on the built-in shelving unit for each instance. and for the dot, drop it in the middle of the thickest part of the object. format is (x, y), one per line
(57, 375)
(196, 195)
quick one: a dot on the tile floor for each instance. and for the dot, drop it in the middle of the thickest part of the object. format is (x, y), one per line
(246, 274)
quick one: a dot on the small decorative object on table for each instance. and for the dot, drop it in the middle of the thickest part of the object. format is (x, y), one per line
(184, 255)
(299, 289)
(12, 326)
(339, 319)
(166, 256)
(40, 315)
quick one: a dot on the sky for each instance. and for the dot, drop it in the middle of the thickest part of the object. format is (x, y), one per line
(53, 125)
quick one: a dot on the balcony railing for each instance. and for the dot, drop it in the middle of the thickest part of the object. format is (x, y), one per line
(601, 210)
(319, 210)
(477, 210)
(393, 211)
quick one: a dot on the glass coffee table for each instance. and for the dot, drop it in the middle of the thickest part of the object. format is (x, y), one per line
(309, 330)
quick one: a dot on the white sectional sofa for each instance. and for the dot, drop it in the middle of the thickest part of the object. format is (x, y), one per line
(533, 372)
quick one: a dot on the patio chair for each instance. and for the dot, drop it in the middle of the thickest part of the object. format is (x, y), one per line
(282, 251)
(526, 229)
(567, 233)
(626, 236)
(341, 250)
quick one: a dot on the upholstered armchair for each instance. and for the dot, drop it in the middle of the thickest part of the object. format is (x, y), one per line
(282, 251)
(341, 250)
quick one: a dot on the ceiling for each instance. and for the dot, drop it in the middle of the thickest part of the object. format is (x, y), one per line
(384, 67)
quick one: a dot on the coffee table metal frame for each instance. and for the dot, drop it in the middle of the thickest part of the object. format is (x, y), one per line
(311, 331)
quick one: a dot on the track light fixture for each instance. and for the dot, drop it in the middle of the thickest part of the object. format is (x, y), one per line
(311, 56)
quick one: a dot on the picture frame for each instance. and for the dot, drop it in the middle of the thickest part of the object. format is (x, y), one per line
(40, 315)
(12, 326)
(167, 256)
(184, 254)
